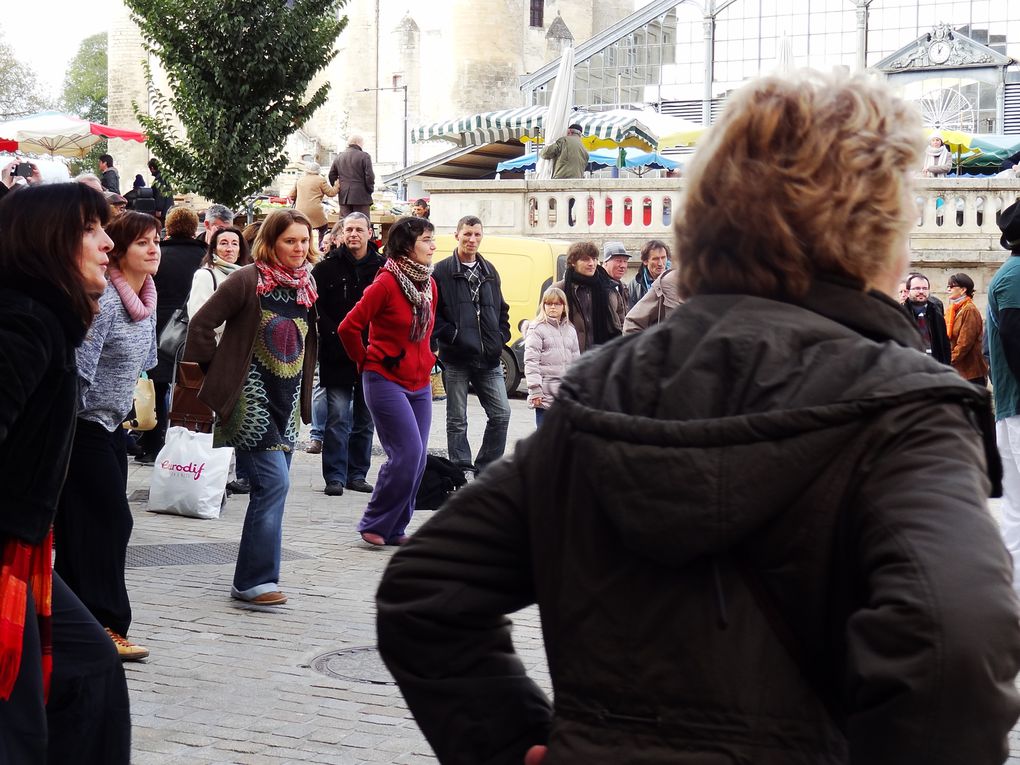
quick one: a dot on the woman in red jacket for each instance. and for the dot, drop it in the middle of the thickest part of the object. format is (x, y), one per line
(398, 309)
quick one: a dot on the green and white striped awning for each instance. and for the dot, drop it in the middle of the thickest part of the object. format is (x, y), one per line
(600, 129)
(489, 127)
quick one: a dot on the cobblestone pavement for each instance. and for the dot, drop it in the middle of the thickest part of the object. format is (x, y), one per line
(231, 683)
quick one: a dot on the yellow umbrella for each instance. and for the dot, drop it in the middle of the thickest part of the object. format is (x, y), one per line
(957, 141)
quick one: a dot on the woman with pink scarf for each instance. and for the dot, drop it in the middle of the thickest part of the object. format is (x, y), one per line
(94, 522)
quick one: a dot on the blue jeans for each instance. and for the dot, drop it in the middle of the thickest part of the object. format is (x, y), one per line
(319, 410)
(347, 439)
(403, 418)
(491, 391)
(258, 559)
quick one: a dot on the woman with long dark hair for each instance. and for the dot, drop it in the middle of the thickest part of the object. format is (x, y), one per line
(259, 383)
(63, 696)
(94, 522)
(226, 252)
(398, 309)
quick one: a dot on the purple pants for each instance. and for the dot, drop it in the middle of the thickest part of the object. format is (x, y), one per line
(402, 421)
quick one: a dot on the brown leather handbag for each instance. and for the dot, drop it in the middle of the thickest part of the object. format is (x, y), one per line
(186, 411)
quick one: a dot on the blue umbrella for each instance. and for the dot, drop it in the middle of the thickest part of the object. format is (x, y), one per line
(596, 160)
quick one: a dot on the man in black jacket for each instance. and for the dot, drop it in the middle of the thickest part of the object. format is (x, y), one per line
(472, 326)
(927, 319)
(341, 279)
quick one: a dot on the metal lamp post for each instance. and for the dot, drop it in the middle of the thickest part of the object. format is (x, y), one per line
(403, 183)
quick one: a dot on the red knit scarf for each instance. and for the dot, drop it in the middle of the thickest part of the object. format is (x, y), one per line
(300, 279)
(24, 566)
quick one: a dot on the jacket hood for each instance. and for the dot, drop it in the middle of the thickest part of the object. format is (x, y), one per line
(720, 417)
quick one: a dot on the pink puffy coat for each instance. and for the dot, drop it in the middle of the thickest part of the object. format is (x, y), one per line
(549, 348)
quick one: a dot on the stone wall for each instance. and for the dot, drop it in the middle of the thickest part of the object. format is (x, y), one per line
(126, 83)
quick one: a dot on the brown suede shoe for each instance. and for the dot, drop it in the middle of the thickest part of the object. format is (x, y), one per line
(314, 447)
(269, 599)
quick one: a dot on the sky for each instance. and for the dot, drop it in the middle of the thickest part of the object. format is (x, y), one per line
(45, 34)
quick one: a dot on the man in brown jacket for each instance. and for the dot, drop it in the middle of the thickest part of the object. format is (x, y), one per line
(353, 168)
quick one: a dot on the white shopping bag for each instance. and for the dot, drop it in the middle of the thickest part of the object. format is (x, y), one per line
(189, 476)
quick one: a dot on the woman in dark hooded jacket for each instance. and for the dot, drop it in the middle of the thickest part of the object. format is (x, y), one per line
(756, 532)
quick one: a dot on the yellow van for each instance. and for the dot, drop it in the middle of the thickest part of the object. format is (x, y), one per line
(526, 266)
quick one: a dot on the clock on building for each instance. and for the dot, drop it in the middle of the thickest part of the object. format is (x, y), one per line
(938, 52)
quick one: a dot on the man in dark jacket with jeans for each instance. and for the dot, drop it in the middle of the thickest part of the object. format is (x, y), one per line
(472, 326)
(341, 279)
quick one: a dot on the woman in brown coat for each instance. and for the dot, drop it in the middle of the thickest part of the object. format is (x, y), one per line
(308, 194)
(966, 329)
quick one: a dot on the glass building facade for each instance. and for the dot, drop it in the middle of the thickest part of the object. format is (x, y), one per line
(662, 61)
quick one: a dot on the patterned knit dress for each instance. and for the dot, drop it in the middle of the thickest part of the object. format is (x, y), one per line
(267, 416)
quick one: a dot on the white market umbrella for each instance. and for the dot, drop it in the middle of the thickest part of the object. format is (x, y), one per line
(784, 56)
(56, 133)
(557, 116)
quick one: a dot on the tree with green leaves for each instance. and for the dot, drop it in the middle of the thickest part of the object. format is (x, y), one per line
(85, 93)
(239, 75)
(20, 93)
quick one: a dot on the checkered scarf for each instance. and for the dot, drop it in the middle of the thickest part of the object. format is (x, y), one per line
(415, 282)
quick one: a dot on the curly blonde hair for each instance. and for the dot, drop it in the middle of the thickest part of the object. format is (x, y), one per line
(803, 175)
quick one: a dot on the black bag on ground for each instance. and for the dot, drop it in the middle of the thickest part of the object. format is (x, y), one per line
(441, 478)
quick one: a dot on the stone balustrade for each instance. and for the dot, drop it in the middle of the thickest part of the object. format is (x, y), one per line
(956, 224)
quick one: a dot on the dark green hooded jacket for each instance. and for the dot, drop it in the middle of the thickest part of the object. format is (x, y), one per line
(756, 533)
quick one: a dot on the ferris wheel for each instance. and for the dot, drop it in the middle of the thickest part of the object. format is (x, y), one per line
(947, 108)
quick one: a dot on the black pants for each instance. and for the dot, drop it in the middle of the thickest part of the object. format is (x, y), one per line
(94, 525)
(152, 440)
(87, 719)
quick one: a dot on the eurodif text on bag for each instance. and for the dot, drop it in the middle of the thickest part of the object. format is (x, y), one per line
(189, 476)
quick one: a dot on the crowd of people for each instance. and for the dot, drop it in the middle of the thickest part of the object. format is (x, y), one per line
(750, 460)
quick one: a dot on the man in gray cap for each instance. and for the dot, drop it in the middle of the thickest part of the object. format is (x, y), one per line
(1003, 328)
(614, 259)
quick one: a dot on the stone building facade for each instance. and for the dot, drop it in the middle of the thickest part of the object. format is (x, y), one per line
(456, 57)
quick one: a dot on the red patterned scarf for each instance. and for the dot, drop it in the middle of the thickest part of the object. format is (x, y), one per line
(300, 279)
(25, 566)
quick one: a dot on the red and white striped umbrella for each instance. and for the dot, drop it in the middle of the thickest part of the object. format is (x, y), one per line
(56, 133)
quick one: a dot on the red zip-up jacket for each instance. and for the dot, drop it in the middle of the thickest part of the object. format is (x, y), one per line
(390, 352)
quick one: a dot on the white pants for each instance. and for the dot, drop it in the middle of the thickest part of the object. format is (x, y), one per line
(1007, 436)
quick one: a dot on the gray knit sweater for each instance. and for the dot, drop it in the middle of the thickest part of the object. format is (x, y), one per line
(115, 352)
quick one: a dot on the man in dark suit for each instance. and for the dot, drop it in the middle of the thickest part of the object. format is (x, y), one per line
(353, 168)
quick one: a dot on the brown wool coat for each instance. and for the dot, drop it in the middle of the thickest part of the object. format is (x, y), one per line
(965, 340)
(227, 364)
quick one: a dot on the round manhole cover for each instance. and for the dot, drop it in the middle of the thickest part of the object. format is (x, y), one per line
(360, 665)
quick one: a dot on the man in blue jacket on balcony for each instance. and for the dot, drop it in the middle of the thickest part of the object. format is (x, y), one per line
(472, 327)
